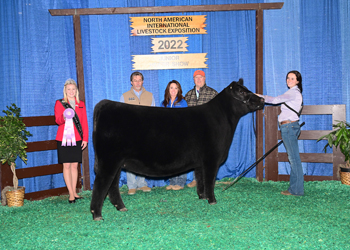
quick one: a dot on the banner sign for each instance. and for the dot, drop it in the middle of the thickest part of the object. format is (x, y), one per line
(170, 44)
(167, 25)
(169, 61)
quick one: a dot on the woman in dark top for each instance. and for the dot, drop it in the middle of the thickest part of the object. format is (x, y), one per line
(173, 99)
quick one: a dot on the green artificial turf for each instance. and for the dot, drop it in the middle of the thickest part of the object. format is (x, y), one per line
(248, 215)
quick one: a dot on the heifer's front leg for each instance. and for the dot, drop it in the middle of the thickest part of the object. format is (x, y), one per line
(200, 187)
(209, 177)
(114, 194)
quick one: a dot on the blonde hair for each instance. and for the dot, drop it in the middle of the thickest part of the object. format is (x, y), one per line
(68, 82)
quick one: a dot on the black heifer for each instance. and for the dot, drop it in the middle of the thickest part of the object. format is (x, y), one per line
(160, 142)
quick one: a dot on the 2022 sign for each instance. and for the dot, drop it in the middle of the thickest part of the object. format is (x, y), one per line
(170, 44)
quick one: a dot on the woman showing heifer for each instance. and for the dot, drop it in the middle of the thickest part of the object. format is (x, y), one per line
(288, 119)
(173, 98)
(72, 135)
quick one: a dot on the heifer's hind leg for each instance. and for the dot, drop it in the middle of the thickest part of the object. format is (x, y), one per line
(104, 178)
(114, 194)
(99, 192)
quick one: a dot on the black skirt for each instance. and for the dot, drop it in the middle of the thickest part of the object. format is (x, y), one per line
(69, 153)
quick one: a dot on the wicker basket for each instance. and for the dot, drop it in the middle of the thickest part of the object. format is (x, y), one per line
(345, 175)
(15, 198)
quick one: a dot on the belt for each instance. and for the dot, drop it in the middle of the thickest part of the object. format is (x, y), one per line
(285, 122)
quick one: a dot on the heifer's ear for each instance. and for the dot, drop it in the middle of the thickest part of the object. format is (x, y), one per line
(240, 81)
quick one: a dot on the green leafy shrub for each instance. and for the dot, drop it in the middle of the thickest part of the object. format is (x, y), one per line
(13, 139)
(339, 138)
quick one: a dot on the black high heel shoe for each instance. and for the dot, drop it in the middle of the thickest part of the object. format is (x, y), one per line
(78, 198)
(73, 201)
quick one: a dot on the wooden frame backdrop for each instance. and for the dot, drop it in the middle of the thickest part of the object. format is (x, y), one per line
(6, 174)
(257, 7)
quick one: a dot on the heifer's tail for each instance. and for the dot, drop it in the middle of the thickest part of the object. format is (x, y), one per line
(255, 163)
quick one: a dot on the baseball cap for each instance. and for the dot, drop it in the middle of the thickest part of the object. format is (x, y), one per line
(199, 72)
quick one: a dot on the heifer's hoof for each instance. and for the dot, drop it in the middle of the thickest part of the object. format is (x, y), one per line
(201, 197)
(123, 209)
(212, 203)
(98, 218)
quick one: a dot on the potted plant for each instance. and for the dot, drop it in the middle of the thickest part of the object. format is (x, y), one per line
(13, 142)
(340, 138)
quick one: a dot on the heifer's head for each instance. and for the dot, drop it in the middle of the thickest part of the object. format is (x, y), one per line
(250, 102)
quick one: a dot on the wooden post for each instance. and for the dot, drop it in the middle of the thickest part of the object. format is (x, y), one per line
(259, 89)
(80, 78)
(271, 139)
(339, 114)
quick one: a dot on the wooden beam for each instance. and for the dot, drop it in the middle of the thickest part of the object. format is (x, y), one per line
(308, 157)
(308, 134)
(39, 195)
(317, 110)
(23, 173)
(165, 9)
(41, 146)
(36, 121)
(283, 177)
